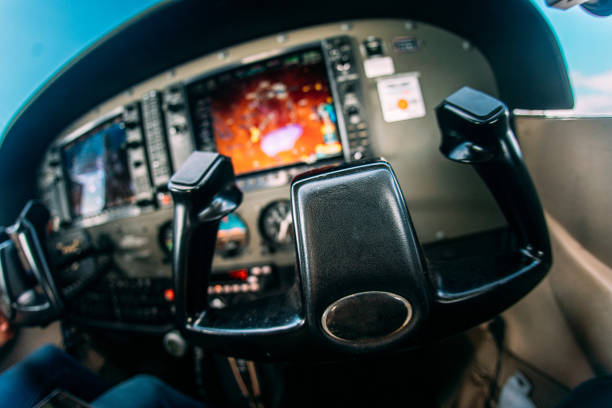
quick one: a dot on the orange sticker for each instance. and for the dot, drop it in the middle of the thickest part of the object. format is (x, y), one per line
(402, 104)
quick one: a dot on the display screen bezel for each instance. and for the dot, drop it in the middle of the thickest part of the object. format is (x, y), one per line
(261, 59)
(83, 132)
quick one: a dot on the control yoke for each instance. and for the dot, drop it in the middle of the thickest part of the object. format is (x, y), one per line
(28, 293)
(204, 192)
(364, 283)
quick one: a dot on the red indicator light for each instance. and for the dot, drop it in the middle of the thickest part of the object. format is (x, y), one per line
(169, 295)
(240, 274)
(166, 200)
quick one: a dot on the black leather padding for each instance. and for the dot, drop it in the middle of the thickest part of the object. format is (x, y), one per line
(354, 234)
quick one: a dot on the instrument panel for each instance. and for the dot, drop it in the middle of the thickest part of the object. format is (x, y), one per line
(277, 106)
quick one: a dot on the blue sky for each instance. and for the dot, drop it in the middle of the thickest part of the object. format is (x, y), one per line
(37, 37)
(585, 41)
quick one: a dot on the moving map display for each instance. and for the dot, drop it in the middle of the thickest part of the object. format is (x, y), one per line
(97, 169)
(269, 114)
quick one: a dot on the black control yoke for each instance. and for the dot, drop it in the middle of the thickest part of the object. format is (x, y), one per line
(364, 283)
(476, 130)
(204, 192)
(28, 293)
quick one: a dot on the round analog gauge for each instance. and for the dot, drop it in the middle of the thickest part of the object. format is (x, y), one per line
(232, 237)
(276, 224)
(165, 237)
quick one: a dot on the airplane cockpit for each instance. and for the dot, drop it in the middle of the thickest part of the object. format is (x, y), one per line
(312, 204)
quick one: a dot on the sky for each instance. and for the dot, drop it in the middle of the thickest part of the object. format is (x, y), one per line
(585, 41)
(38, 37)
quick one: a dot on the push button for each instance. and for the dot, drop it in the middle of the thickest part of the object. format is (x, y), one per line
(366, 318)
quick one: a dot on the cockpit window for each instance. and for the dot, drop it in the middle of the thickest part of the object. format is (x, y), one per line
(35, 42)
(584, 40)
(38, 38)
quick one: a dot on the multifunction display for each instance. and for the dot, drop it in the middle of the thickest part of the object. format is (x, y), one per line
(96, 165)
(269, 114)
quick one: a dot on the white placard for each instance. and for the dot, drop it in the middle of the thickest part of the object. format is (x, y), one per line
(401, 97)
(378, 66)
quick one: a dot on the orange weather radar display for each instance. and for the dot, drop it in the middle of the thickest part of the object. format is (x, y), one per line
(274, 113)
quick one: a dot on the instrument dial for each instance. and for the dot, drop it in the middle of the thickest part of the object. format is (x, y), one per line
(232, 238)
(276, 224)
(165, 237)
